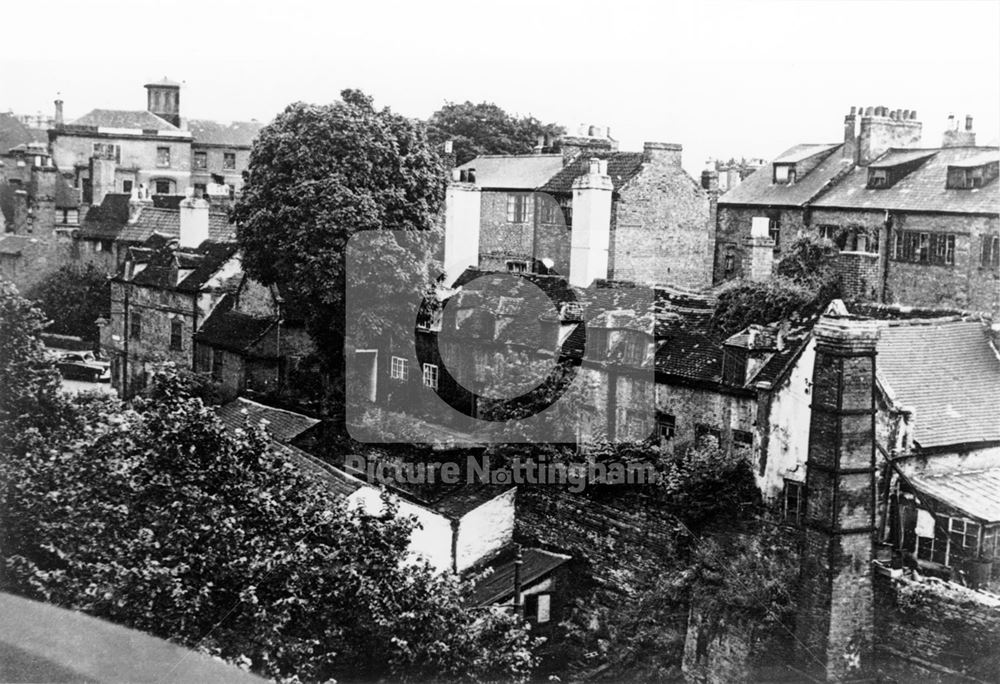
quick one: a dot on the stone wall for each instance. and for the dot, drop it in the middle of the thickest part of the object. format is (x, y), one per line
(733, 226)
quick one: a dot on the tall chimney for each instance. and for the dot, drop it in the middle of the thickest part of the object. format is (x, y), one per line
(850, 149)
(59, 113)
(758, 251)
(591, 234)
(462, 216)
(102, 178)
(879, 132)
(668, 154)
(835, 620)
(194, 220)
(955, 136)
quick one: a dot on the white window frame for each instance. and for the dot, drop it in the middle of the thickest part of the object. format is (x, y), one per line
(430, 375)
(399, 368)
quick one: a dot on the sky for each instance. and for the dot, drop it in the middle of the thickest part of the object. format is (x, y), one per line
(723, 78)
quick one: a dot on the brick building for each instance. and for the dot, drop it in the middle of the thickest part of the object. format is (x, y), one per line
(916, 224)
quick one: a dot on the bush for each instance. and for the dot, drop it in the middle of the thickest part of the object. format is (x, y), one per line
(74, 299)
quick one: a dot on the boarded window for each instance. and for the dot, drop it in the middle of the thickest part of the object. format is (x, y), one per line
(176, 335)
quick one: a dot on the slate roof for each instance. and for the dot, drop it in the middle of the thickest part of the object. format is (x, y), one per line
(124, 118)
(283, 426)
(978, 159)
(232, 330)
(514, 172)
(921, 190)
(161, 264)
(499, 585)
(235, 134)
(622, 167)
(976, 492)
(801, 152)
(758, 188)
(948, 374)
(168, 222)
(106, 220)
(13, 133)
(899, 157)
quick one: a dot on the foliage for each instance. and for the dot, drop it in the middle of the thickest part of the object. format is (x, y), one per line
(485, 128)
(317, 175)
(74, 298)
(156, 517)
(809, 260)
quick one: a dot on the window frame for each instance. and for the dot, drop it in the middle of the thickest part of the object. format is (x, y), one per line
(517, 207)
(989, 256)
(176, 335)
(793, 490)
(517, 266)
(199, 159)
(163, 156)
(401, 370)
(665, 423)
(135, 326)
(430, 375)
(226, 158)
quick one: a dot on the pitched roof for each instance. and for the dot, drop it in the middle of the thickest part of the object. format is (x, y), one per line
(947, 372)
(106, 220)
(622, 166)
(162, 264)
(758, 188)
(991, 155)
(923, 189)
(899, 157)
(284, 426)
(235, 134)
(514, 172)
(124, 118)
(333, 479)
(976, 492)
(232, 330)
(499, 585)
(168, 222)
(13, 133)
(801, 152)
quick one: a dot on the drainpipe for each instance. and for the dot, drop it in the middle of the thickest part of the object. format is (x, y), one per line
(886, 258)
(454, 545)
(125, 322)
(518, 562)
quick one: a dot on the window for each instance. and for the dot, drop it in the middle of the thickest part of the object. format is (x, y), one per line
(69, 217)
(701, 431)
(200, 189)
(729, 263)
(954, 539)
(135, 326)
(538, 608)
(106, 245)
(784, 173)
(828, 232)
(925, 248)
(127, 186)
(991, 542)
(666, 426)
(176, 335)
(162, 187)
(742, 439)
(163, 156)
(566, 204)
(108, 151)
(794, 506)
(430, 375)
(517, 208)
(399, 368)
(517, 266)
(774, 231)
(963, 539)
(878, 178)
(991, 252)
(201, 160)
(229, 160)
(218, 364)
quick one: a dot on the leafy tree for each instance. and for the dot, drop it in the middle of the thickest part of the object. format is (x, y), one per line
(74, 298)
(485, 128)
(158, 518)
(317, 175)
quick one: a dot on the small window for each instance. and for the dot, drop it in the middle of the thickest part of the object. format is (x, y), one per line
(991, 252)
(430, 375)
(566, 205)
(162, 187)
(517, 208)
(201, 160)
(176, 335)
(517, 266)
(878, 178)
(106, 245)
(742, 439)
(229, 160)
(399, 368)
(69, 217)
(218, 364)
(666, 426)
(774, 231)
(127, 186)
(794, 502)
(200, 189)
(702, 430)
(163, 156)
(963, 538)
(135, 326)
(729, 262)
(784, 173)
(538, 608)
(108, 151)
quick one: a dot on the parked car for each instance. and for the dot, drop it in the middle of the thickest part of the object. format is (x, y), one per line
(84, 366)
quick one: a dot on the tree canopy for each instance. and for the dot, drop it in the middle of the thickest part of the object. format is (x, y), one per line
(74, 298)
(485, 128)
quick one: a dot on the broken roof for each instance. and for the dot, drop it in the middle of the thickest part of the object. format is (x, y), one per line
(975, 492)
(284, 426)
(923, 189)
(948, 373)
(759, 189)
(499, 585)
(514, 172)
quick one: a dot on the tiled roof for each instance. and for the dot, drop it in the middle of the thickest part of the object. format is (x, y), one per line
(948, 374)
(335, 480)
(622, 166)
(976, 492)
(107, 219)
(499, 585)
(514, 172)
(921, 190)
(758, 188)
(801, 152)
(161, 270)
(232, 330)
(123, 118)
(283, 426)
(168, 222)
(236, 134)
(688, 348)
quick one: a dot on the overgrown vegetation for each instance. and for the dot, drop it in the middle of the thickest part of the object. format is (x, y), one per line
(73, 298)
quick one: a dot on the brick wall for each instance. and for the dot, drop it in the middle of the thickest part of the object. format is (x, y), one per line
(859, 276)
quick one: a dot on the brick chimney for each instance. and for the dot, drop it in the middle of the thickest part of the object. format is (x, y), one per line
(882, 129)
(462, 216)
(591, 234)
(954, 136)
(194, 221)
(758, 250)
(835, 618)
(850, 149)
(589, 139)
(58, 120)
(661, 153)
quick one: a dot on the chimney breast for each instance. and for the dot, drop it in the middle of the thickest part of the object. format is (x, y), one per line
(662, 153)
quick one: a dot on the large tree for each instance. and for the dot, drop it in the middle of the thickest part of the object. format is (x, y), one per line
(158, 518)
(317, 175)
(74, 298)
(485, 128)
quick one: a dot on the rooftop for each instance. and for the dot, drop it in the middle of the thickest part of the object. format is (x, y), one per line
(976, 492)
(233, 330)
(235, 134)
(622, 166)
(168, 222)
(123, 118)
(499, 585)
(284, 426)
(514, 172)
(759, 189)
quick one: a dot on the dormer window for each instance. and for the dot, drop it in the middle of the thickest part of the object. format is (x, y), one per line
(971, 177)
(878, 178)
(784, 174)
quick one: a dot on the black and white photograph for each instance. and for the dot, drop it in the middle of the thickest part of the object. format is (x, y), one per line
(445, 342)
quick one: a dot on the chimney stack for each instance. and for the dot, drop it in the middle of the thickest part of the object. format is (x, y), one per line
(955, 136)
(591, 234)
(59, 112)
(194, 220)
(662, 153)
(102, 179)
(850, 149)
(758, 251)
(882, 129)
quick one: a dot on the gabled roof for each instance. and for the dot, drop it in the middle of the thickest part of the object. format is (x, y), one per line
(232, 330)
(284, 426)
(168, 222)
(107, 219)
(161, 261)
(499, 585)
(235, 134)
(514, 172)
(758, 188)
(947, 372)
(923, 189)
(976, 492)
(622, 167)
(124, 118)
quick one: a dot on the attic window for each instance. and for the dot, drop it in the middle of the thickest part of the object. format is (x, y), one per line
(878, 178)
(784, 173)
(971, 178)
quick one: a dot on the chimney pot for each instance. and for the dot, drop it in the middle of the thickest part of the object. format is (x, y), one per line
(968, 122)
(913, 115)
(853, 110)
(892, 115)
(59, 112)
(868, 111)
(906, 114)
